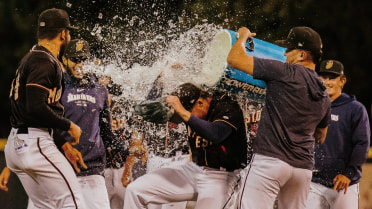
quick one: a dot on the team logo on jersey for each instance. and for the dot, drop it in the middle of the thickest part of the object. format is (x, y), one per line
(334, 117)
(79, 46)
(329, 64)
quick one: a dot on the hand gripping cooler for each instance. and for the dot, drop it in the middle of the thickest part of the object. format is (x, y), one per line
(217, 73)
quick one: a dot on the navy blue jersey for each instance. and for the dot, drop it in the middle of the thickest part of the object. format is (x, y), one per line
(296, 104)
(231, 153)
(346, 146)
(36, 92)
(87, 105)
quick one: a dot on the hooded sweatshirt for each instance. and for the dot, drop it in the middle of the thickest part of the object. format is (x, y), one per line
(296, 104)
(346, 146)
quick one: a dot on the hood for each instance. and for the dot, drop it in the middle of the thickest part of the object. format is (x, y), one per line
(316, 88)
(343, 99)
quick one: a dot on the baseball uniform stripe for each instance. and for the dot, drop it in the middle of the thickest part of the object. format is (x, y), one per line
(59, 171)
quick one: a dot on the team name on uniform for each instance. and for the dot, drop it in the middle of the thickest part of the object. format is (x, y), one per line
(76, 97)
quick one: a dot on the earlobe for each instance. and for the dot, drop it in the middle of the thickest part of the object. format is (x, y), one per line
(63, 35)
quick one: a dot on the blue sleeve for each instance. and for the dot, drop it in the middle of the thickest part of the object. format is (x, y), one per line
(360, 139)
(215, 132)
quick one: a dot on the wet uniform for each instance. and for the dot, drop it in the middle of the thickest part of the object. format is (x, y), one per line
(296, 104)
(31, 153)
(208, 179)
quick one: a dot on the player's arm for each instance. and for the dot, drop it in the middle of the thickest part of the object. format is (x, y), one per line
(320, 135)
(136, 151)
(4, 178)
(237, 57)
(322, 128)
(215, 132)
(37, 105)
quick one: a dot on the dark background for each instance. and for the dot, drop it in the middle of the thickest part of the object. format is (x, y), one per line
(345, 27)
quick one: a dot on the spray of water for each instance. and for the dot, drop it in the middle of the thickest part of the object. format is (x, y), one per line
(134, 50)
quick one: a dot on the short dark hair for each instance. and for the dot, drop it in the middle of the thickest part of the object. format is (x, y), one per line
(49, 34)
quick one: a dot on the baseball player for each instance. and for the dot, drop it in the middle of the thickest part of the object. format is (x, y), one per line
(295, 116)
(217, 139)
(338, 162)
(31, 153)
(86, 103)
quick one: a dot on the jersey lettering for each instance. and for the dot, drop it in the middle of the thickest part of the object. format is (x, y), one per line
(200, 142)
(15, 87)
(334, 117)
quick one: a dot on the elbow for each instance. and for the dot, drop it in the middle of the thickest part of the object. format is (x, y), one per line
(231, 61)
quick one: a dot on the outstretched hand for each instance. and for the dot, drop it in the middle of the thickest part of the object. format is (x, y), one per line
(4, 178)
(341, 182)
(74, 156)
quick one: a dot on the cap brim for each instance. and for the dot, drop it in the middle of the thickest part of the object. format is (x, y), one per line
(329, 73)
(282, 43)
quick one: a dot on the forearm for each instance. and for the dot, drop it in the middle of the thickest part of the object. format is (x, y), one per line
(237, 57)
(36, 105)
(215, 132)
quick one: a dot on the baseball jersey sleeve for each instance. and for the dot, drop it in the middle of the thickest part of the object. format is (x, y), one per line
(269, 70)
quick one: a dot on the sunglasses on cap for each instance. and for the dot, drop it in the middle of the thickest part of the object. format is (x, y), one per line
(78, 60)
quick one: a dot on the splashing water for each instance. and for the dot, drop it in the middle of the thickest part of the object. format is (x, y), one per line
(180, 63)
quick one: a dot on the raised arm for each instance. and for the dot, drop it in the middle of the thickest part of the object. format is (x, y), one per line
(237, 57)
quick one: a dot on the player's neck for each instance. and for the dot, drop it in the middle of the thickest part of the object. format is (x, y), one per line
(51, 45)
(308, 64)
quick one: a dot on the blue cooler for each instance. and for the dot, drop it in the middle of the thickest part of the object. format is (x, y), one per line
(219, 74)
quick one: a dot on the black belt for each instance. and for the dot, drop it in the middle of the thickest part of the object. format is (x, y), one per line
(24, 130)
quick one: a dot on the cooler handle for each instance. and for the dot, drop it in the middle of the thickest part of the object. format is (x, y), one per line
(250, 43)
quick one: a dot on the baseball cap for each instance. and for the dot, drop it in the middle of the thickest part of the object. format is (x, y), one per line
(188, 94)
(53, 19)
(304, 38)
(332, 67)
(77, 48)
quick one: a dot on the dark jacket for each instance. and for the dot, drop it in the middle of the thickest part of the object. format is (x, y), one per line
(346, 146)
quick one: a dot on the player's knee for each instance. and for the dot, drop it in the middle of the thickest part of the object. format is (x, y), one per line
(134, 188)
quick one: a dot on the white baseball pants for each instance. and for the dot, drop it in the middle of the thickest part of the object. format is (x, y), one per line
(115, 188)
(268, 178)
(47, 177)
(322, 197)
(209, 187)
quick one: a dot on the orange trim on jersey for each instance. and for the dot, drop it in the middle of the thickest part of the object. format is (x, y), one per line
(38, 85)
(227, 123)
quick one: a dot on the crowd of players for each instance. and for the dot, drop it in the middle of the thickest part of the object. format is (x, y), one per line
(62, 116)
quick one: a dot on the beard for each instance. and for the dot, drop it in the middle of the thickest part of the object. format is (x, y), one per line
(62, 50)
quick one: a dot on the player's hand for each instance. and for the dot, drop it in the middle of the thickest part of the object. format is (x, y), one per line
(341, 182)
(75, 132)
(175, 103)
(137, 151)
(4, 178)
(74, 156)
(245, 33)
